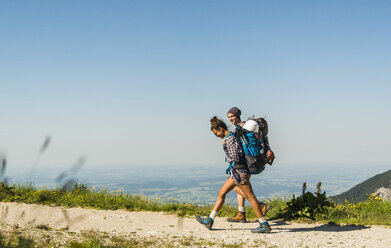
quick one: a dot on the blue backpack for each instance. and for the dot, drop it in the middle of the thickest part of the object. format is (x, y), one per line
(254, 153)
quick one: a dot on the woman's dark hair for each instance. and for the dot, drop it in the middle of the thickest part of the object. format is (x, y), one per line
(215, 123)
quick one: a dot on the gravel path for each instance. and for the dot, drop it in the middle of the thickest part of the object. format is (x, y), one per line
(160, 225)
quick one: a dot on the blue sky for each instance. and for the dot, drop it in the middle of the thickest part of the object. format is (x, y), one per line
(136, 82)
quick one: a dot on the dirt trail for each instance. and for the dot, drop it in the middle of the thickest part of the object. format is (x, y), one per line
(160, 225)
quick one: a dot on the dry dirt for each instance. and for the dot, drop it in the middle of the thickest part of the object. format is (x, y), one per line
(163, 226)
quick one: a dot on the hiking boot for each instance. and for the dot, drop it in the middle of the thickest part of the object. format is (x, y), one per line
(262, 228)
(207, 222)
(239, 217)
(264, 208)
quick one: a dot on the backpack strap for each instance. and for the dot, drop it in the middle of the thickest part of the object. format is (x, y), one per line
(230, 134)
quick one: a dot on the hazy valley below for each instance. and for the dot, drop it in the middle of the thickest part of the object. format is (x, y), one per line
(200, 184)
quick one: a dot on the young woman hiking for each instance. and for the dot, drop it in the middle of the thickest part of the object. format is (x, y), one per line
(239, 176)
(233, 115)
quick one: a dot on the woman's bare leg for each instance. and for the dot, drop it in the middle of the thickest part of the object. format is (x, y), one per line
(223, 191)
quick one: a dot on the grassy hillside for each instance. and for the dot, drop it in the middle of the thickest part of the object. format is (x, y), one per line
(361, 191)
(80, 195)
(309, 206)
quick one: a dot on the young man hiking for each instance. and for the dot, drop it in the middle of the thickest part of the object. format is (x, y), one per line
(233, 115)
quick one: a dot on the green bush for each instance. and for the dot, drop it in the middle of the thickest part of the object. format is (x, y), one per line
(309, 205)
(6, 191)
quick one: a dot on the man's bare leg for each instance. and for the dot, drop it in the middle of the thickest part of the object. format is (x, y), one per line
(241, 214)
(264, 226)
(240, 198)
(240, 194)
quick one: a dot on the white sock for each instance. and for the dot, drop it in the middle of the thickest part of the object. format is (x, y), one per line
(213, 215)
(262, 219)
(241, 209)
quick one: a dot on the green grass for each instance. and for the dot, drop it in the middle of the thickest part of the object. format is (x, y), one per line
(82, 196)
(88, 241)
(97, 240)
(16, 242)
(372, 211)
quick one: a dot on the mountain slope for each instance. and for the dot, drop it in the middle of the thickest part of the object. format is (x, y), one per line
(361, 191)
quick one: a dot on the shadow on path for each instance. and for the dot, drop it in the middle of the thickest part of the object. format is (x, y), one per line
(282, 226)
(279, 223)
(322, 228)
(232, 229)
